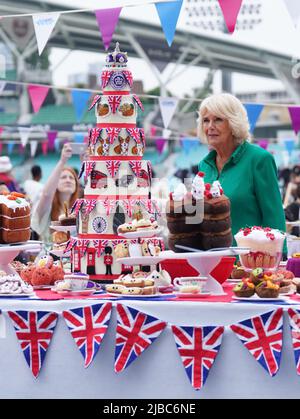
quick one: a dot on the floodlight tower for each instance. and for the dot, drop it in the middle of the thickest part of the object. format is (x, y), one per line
(207, 15)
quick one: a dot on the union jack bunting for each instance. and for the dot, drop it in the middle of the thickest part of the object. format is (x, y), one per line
(198, 348)
(135, 133)
(116, 242)
(135, 332)
(113, 134)
(262, 336)
(149, 167)
(294, 318)
(82, 245)
(89, 167)
(112, 167)
(76, 207)
(109, 205)
(156, 206)
(114, 102)
(105, 77)
(95, 100)
(88, 326)
(81, 170)
(128, 77)
(89, 205)
(136, 167)
(34, 331)
(94, 136)
(70, 244)
(142, 134)
(129, 205)
(138, 101)
(100, 246)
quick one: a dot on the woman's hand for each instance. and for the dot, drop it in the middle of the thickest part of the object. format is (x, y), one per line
(66, 153)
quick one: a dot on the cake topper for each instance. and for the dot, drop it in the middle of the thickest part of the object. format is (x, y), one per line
(117, 57)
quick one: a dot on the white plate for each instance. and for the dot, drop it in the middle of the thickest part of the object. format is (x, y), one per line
(192, 295)
(18, 295)
(257, 298)
(141, 234)
(42, 287)
(138, 295)
(60, 253)
(72, 228)
(75, 293)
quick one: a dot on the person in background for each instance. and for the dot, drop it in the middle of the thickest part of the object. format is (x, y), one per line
(290, 194)
(33, 187)
(247, 172)
(60, 189)
(292, 213)
(81, 188)
(6, 176)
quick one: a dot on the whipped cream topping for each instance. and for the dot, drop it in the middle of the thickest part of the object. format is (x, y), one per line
(198, 186)
(179, 192)
(259, 239)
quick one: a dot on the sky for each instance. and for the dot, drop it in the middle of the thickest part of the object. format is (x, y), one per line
(276, 32)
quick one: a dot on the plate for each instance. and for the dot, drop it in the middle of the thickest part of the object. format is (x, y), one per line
(76, 293)
(60, 253)
(140, 233)
(141, 260)
(32, 294)
(42, 287)
(257, 298)
(138, 295)
(72, 229)
(192, 295)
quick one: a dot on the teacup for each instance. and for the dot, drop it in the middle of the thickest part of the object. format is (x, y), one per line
(190, 284)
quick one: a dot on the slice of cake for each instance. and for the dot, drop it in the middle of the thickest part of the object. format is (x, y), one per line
(14, 218)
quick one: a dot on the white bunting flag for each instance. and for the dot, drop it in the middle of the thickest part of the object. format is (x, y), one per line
(33, 148)
(2, 86)
(293, 8)
(44, 24)
(24, 134)
(167, 108)
(166, 133)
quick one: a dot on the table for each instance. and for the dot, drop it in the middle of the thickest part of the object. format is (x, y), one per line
(158, 372)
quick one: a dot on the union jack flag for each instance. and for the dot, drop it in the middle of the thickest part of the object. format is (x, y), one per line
(100, 246)
(114, 102)
(294, 317)
(109, 205)
(198, 348)
(82, 245)
(138, 101)
(135, 332)
(113, 167)
(113, 134)
(76, 207)
(89, 205)
(88, 326)
(262, 336)
(135, 134)
(81, 170)
(149, 167)
(70, 244)
(34, 330)
(89, 167)
(129, 205)
(116, 242)
(95, 100)
(136, 167)
(105, 77)
(95, 134)
(128, 76)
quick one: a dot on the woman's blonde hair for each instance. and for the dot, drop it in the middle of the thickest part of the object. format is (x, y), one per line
(226, 106)
(57, 205)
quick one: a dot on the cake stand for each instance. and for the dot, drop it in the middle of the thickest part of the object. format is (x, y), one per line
(9, 252)
(204, 263)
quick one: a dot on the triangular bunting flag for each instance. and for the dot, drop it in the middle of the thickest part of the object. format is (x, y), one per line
(253, 112)
(44, 24)
(1, 130)
(2, 86)
(80, 99)
(262, 336)
(107, 20)
(293, 8)
(24, 134)
(88, 326)
(230, 10)
(167, 108)
(263, 143)
(1, 148)
(51, 135)
(294, 317)
(33, 148)
(135, 333)
(289, 144)
(295, 117)
(168, 14)
(37, 95)
(34, 330)
(160, 145)
(45, 147)
(198, 348)
(10, 147)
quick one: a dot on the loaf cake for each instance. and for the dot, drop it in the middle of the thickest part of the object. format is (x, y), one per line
(14, 218)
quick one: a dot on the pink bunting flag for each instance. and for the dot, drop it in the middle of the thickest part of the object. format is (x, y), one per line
(51, 139)
(37, 95)
(1, 130)
(107, 20)
(264, 143)
(160, 144)
(1, 147)
(230, 10)
(45, 147)
(295, 117)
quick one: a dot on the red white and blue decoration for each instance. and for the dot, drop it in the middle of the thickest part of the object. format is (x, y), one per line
(34, 331)
(294, 318)
(88, 326)
(135, 333)
(198, 348)
(262, 336)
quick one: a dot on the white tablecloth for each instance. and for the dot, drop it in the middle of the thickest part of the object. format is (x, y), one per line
(158, 372)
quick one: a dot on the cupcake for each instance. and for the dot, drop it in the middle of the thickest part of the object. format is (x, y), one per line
(257, 275)
(244, 289)
(267, 289)
(238, 272)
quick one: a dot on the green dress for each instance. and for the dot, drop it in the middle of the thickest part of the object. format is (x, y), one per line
(249, 180)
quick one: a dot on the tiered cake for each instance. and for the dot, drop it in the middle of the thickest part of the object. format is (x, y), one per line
(117, 180)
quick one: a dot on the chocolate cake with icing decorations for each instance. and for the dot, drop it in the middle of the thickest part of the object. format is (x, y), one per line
(117, 181)
(200, 218)
(14, 218)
